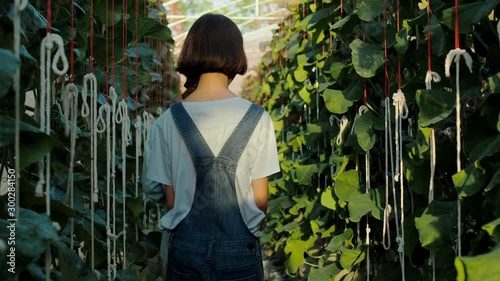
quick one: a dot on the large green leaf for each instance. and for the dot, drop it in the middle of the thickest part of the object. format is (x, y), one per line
(494, 82)
(336, 102)
(478, 268)
(468, 14)
(9, 66)
(296, 250)
(151, 28)
(434, 106)
(72, 266)
(363, 128)
(436, 226)
(402, 41)
(34, 144)
(364, 204)
(366, 58)
(493, 229)
(368, 10)
(325, 273)
(470, 180)
(347, 185)
(328, 200)
(351, 257)
(339, 241)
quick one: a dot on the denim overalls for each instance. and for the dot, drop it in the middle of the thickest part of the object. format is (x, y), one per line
(213, 242)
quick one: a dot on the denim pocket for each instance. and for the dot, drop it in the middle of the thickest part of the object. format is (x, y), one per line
(177, 271)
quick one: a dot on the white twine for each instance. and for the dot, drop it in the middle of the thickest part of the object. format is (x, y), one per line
(498, 31)
(104, 125)
(455, 55)
(362, 110)
(70, 106)
(401, 112)
(159, 110)
(343, 126)
(138, 151)
(46, 65)
(90, 87)
(113, 96)
(432, 77)
(386, 240)
(123, 119)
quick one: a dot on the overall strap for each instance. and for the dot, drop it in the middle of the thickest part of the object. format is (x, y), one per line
(238, 140)
(190, 134)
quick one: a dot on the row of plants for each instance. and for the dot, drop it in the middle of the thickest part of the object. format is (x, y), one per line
(326, 60)
(132, 49)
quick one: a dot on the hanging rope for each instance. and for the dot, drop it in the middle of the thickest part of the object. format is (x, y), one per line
(19, 6)
(113, 96)
(401, 112)
(429, 78)
(454, 56)
(123, 119)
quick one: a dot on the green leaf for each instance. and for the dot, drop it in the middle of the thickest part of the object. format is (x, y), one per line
(72, 266)
(495, 181)
(438, 40)
(327, 199)
(493, 229)
(368, 10)
(305, 94)
(9, 66)
(351, 257)
(336, 102)
(300, 74)
(478, 268)
(364, 204)
(347, 185)
(325, 273)
(338, 241)
(436, 226)
(296, 249)
(494, 83)
(468, 14)
(402, 41)
(305, 172)
(363, 128)
(147, 27)
(434, 106)
(470, 180)
(34, 144)
(366, 58)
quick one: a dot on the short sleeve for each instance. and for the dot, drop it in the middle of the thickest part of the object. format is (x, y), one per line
(266, 160)
(159, 167)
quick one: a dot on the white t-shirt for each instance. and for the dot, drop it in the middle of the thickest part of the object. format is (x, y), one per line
(169, 162)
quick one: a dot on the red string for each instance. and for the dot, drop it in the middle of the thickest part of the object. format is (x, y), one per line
(457, 36)
(429, 59)
(341, 9)
(91, 36)
(124, 51)
(72, 55)
(107, 51)
(49, 16)
(113, 44)
(136, 57)
(399, 55)
(386, 69)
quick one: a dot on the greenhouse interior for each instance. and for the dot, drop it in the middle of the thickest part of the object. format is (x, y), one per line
(386, 116)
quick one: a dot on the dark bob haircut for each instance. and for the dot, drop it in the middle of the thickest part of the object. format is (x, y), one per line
(213, 44)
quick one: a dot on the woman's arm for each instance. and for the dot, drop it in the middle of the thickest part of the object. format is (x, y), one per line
(260, 190)
(170, 196)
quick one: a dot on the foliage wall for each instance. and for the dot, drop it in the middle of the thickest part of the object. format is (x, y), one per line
(326, 60)
(143, 38)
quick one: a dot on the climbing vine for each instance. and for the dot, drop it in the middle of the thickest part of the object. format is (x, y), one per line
(140, 55)
(326, 62)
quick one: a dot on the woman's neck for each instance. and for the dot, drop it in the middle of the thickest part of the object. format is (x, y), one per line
(212, 86)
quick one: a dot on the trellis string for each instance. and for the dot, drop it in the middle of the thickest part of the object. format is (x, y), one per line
(401, 112)
(113, 96)
(454, 56)
(19, 6)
